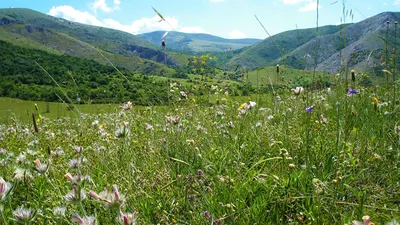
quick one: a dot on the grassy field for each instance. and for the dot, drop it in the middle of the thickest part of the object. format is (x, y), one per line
(20, 110)
(325, 157)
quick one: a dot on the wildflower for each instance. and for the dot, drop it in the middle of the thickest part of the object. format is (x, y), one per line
(126, 106)
(122, 131)
(366, 221)
(128, 218)
(21, 157)
(207, 214)
(23, 215)
(298, 90)
(252, 104)
(375, 101)
(244, 106)
(111, 199)
(22, 174)
(34, 142)
(183, 94)
(40, 167)
(309, 109)
(77, 178)
(200, 173)
(59, 211)
(324, 119)
(292, 166)
(93, 195)
(58, 152)
(74, 196)
(172, 119)
(4, 188)
(78, 149)
(76, 163)
(87, 220)
(95, 124)
(352, 92)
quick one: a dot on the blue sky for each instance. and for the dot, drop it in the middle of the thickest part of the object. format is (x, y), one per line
(225, 18)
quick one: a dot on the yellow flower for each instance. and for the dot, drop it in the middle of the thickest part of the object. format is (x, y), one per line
(242, 106)
(375, 100)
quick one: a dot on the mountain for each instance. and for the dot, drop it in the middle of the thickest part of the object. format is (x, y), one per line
(363, 48)
(36, 30)
(196, 43)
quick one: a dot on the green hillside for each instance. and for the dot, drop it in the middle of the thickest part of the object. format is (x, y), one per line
(87, 80)
(197, 43)
(360, 45)
(47, 30)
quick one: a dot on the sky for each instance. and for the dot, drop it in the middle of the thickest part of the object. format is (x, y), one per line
(224, 18)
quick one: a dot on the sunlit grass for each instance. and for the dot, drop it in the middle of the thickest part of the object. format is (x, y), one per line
(265, 162)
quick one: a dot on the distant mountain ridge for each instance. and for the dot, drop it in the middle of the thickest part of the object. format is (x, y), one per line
(361, 44)
(33, 29)
(197, 42)
(302, 48)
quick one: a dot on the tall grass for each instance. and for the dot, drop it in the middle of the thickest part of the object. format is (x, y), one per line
(260, 159)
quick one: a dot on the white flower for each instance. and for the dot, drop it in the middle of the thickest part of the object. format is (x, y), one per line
(298, 90)
(59, 211)
(58, 152)
(76, 163)
(23, 215)
(95, 124)
(252, 104)
(22, 174)
(87, 220)
(126, 106)
(122, 130)
(21, 157)
(73, 196)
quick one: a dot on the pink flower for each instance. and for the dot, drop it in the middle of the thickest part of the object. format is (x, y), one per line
(87, 220)
(4, 188)
(128, 218)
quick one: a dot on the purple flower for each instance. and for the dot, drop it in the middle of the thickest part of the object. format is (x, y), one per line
(308, 109)
(206, 214)
(352, 92)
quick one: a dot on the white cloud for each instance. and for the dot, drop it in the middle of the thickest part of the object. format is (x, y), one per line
(193, 30)
(397, 2)
(311, 6)
(142, 25)
(293, 2)
(236, 34)
(102, 5)
(69, 13)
